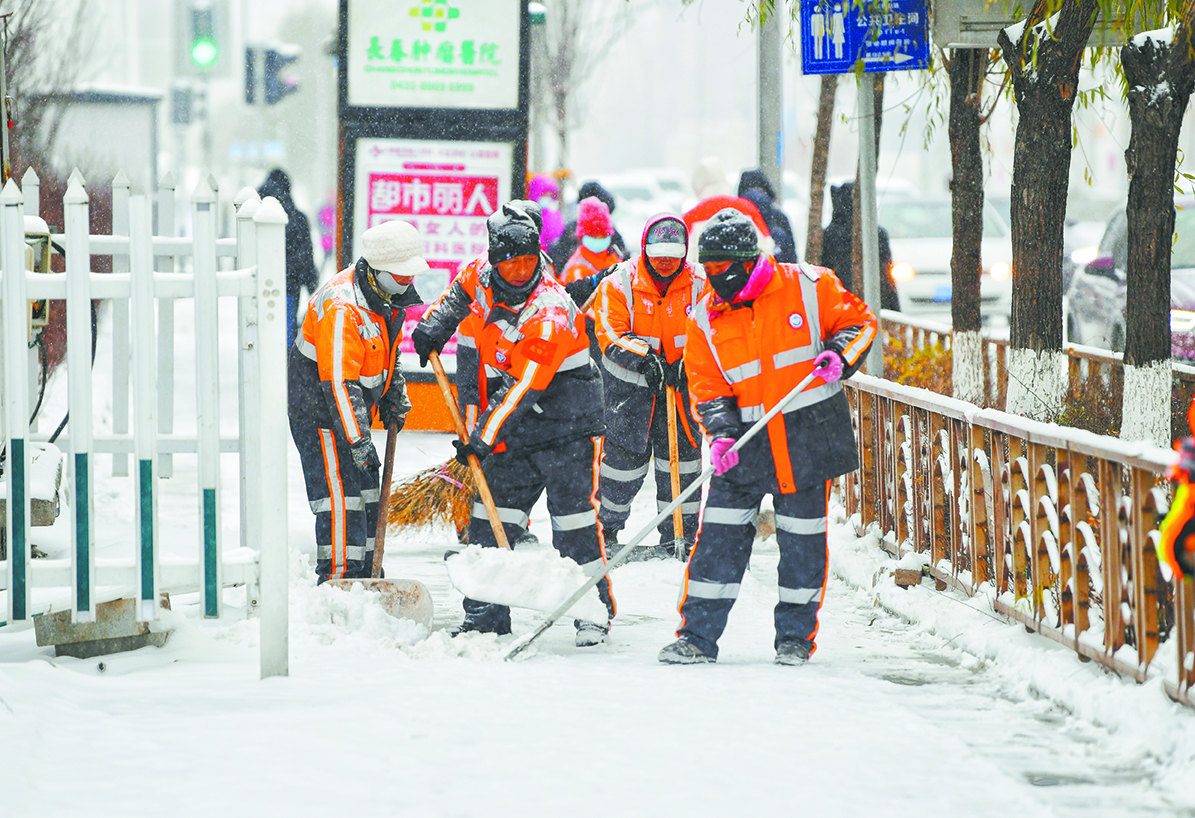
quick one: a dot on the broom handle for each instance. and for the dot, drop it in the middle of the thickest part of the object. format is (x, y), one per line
(379, 537)
(678, 526)
(474, 464)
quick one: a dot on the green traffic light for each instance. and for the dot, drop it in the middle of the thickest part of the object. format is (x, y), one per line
(203, 52)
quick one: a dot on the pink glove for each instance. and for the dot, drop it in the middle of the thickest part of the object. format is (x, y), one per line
(720, 455)
(828, 365)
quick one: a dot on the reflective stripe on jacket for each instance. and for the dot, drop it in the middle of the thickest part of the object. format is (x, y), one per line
(633, 317)
(747, 357)
(353, 352)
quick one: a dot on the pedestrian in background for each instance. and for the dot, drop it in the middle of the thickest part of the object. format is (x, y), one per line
(544, 191)
(300, 257)
(755, 188)
(838, 247)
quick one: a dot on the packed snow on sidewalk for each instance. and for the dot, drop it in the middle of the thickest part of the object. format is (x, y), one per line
(916, 702)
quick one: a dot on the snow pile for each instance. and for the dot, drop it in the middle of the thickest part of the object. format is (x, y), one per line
(539, 579)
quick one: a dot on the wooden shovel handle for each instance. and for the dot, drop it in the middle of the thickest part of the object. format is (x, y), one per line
(678, 526)
(379, 537)
(474, 464)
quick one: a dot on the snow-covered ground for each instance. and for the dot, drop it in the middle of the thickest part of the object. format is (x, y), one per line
(916, 703)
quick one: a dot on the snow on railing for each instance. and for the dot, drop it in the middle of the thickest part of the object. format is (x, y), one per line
(151, 272)
(1056, 526)
(1085, 365)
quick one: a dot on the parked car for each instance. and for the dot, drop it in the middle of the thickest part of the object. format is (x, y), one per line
(1095, 300)
(920, 232)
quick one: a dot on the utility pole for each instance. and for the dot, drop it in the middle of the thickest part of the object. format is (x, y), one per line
(771, 98)
(867, 215)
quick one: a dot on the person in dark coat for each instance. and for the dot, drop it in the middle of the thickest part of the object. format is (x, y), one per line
(300, 258)
(755, 188)
(837, 246)
(564, 247)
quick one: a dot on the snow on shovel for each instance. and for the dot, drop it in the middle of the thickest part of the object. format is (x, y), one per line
(535, 578)
(527, 579)
(624, 552)
(401, 598)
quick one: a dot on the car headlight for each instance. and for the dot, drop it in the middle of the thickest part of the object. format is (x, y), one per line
(1084, 256)
(1000, 271)
(903, 272)
(1182, 320)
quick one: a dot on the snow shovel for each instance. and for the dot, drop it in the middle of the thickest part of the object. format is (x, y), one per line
(678, 526)
(401, 598)
(483, 489)
(625, 551)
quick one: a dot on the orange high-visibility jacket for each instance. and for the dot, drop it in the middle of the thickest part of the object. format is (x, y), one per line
(584, 262)
(632, 316)
(742, 359)
(353, 350)
(541, 350)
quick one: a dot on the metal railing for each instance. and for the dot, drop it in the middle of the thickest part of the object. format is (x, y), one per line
(1057, 527)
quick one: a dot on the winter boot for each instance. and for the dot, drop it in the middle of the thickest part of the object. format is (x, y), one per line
(610, 538)
(481, 617)
(684, 652)
(590, 633)
(792, 653)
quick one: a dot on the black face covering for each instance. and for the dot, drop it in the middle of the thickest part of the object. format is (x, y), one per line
(729, 282)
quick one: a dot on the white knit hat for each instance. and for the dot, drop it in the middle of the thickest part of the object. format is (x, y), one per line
(394, 247)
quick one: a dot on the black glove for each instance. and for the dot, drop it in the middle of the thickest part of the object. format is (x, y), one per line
(579, 290)
(390, 413)
(655, 370)
(463, 450)
(675, 376)
(365, 456)
(425, 344)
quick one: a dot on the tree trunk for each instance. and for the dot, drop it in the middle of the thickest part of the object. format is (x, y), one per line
(817, 173)
(856, 230)
(1045, 75)
(1160, 77)
(967, 67)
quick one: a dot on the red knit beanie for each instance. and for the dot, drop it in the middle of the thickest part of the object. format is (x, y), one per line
(593, 219)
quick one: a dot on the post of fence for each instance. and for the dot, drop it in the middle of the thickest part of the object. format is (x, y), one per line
(270, 221)
(247, 203)
(78, 360)
(120, 326)
(145, 403)
(165, 228)
(16, 397)
(207, 383)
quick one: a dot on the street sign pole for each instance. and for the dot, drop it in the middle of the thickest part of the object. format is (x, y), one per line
(867, 214)
(771, 100)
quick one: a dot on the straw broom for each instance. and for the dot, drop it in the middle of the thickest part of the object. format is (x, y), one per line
(440, 494)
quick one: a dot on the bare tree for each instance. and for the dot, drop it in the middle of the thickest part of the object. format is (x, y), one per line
(817, 172)
(47, 48)
(577, 36)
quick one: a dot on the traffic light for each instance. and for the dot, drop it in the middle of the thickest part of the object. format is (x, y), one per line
(275, 84)
(204, 50)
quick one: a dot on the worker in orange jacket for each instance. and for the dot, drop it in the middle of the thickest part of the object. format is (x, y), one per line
(344, 370)
(642, 312)
(543, 429)
(764, 327)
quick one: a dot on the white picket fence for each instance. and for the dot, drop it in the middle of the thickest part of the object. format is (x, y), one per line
(151, 272)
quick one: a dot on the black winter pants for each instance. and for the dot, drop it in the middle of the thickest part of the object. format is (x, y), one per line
(723, 549)
(568, 471)
(623, 471)
(344, 500)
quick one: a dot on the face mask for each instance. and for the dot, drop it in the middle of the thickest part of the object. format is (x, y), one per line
(546, 203)
(728, 283)
(595, 245)
(388, 284)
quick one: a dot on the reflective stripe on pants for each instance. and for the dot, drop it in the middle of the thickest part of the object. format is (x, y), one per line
(723, 549)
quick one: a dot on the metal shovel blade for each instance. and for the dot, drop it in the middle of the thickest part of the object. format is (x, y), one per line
(401, 598)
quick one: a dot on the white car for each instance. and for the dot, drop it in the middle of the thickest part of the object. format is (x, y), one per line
(920, 233)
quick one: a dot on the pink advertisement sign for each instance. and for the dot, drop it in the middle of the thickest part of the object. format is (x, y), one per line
(445, 189)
